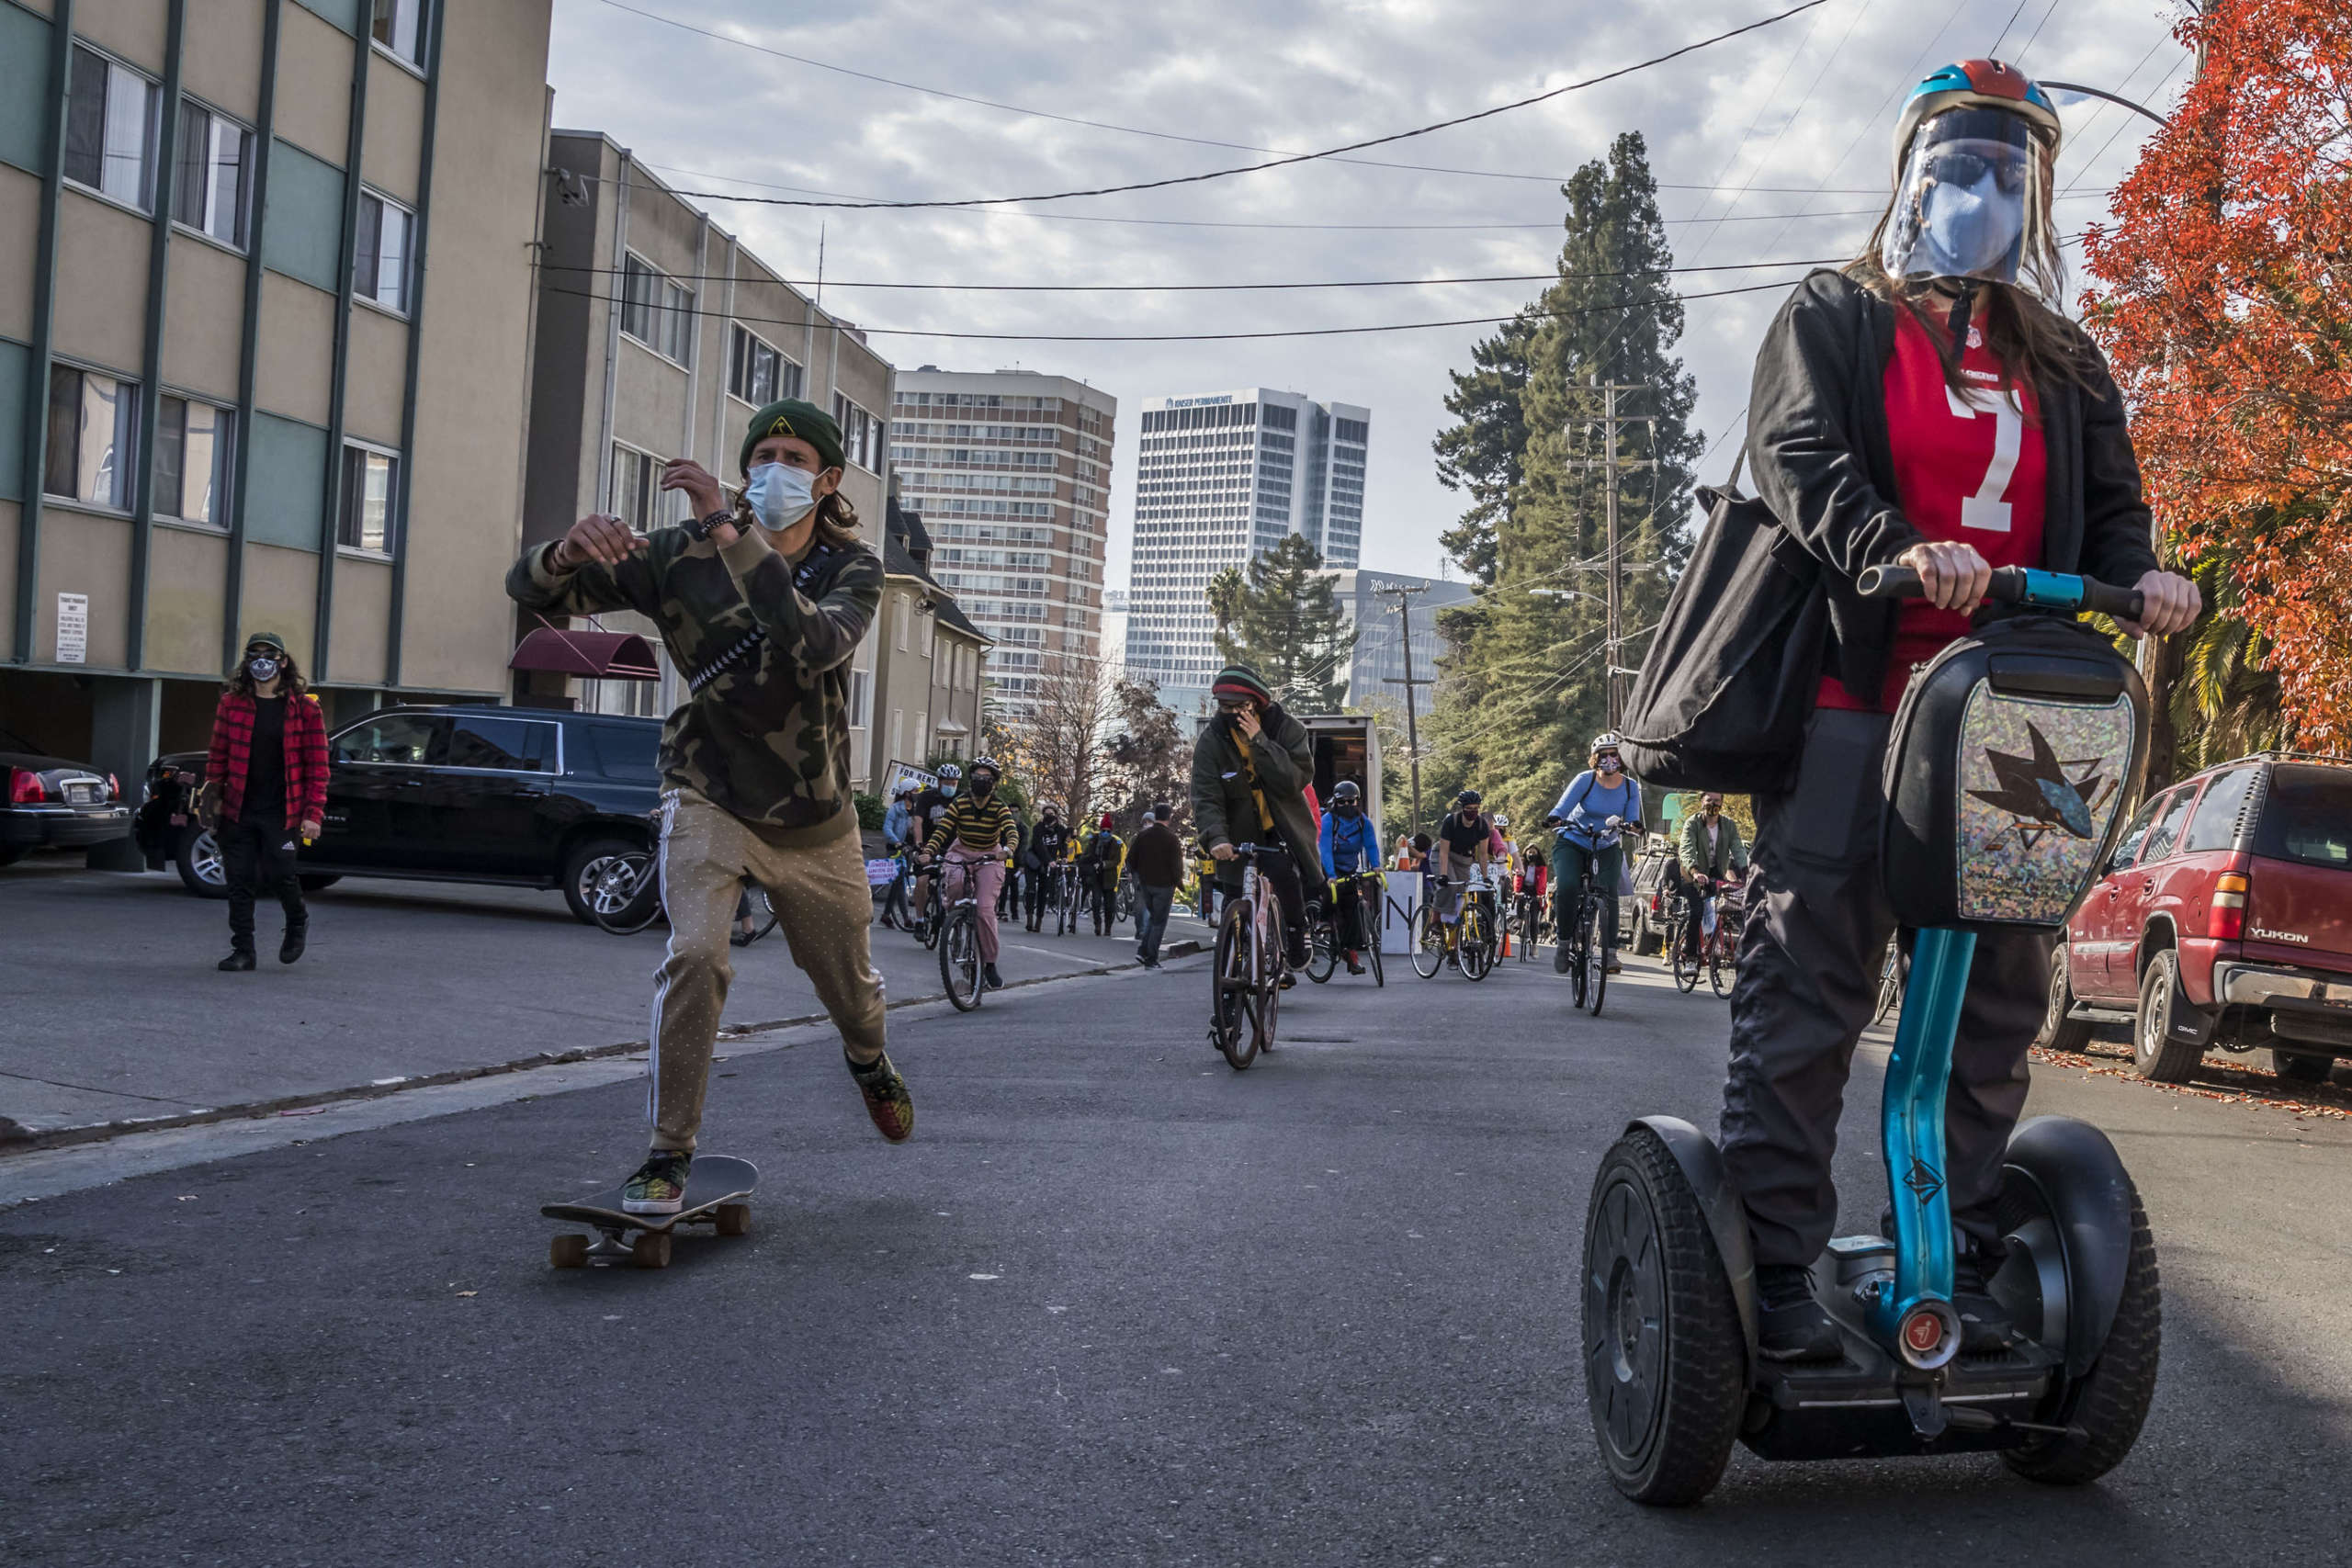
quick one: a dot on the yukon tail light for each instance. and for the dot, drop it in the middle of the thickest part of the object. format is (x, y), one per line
(25, 787)
(114, 787)
(2226, 917)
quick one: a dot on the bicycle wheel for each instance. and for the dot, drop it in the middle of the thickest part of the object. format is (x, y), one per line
(1322, 952)
(1720, 969)
(1685, 962)
(625, 892)
(1372, 956)
(1429, 942)
(1231, 1028)
(1476, 942)
(1889, 980)
(959, 959)
(1596, 958)
(1266, 996)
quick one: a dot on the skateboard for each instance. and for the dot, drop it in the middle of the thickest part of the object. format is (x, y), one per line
(715, 1190)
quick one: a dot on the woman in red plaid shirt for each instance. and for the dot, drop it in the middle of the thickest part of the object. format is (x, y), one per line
(265, 789)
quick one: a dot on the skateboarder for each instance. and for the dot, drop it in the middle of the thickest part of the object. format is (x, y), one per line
(761, 604)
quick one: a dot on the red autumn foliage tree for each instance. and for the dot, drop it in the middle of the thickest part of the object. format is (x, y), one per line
(2225, 306)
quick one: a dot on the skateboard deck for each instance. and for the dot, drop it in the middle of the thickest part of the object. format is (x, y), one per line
(716, 1189)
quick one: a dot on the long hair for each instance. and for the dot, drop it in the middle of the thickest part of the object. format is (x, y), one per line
(2033, 342)
(289, 678)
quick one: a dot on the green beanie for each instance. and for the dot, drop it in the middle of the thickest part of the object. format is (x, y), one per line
(791, 416)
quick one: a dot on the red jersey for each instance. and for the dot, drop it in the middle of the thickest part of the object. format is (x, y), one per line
(1971, 470)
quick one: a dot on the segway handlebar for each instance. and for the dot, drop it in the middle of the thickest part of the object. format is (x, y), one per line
(2016, 585)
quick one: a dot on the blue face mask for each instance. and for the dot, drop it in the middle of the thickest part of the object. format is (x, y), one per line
(780, 495)
(1970, 228)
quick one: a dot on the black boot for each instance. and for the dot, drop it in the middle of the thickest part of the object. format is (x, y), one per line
(298, 935)
(1791, 1326)
(240, 959)
(1984, 1325)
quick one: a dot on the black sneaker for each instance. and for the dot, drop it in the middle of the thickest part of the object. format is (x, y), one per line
(659, 1185)
(239, 961)
(995, 981)
(1791, 1326)
(1984, 1325)
(297, 939)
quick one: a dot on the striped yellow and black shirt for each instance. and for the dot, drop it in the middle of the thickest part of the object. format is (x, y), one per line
(976, 825)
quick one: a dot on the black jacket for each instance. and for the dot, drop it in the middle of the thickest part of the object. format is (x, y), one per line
(1823, 463)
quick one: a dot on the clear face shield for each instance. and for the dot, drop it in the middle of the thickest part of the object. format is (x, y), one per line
(1974, 199)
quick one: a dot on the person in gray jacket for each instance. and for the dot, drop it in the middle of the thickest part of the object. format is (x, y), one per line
(1250, 769)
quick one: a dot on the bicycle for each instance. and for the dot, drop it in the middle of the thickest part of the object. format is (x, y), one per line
(1251, 961)
(1062, 892)
(1469, 942)
(1532, 924)
(1329, 941)
(1681, 955)
(1723, 943)
(1588, 951)
(1889, 980)
(959, 935)
(924, 923)
(1476, 945)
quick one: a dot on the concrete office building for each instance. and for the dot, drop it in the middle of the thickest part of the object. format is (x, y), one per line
(1371, 610)
(265, 337)
(659, 334)
(1011, 473)
(1220, 479)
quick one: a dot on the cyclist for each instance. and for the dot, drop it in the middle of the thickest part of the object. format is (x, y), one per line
(1350, 844)
(1592, 815)
(1008, 896)
(977, 831)
(897, 837)
(1099, 867)
(1532, 875)
(1926, 405)
(1250, 769)
(930, 806)
(1712, 856)
(1047, 845)
(1464, 842)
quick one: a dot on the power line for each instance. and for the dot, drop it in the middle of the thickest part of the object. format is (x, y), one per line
(1165, 183)
(1099, 124)
(1995, 50)
(1212, 287)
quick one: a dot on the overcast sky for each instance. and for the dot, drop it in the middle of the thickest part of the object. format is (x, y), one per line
(1773, 147)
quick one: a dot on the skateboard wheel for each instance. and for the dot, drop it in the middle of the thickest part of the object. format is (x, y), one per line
(651, 1249)
(567, 1252)
(734, 1219)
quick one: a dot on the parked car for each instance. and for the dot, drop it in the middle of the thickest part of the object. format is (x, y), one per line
(1641, 914)
(533, 797)
(46, 802)
(2221, 919)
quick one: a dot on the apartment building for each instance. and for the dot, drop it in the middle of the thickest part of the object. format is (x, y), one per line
(1221, 478)
(1010, 470)
(237, 388)
(929, 658)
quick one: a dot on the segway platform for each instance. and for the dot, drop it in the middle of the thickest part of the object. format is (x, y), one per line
(716, 1189)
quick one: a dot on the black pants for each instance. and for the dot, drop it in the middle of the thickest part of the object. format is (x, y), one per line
(1809, 958)
(1281, 872)
(1351, 919)
(256, 857)
(1041, 888)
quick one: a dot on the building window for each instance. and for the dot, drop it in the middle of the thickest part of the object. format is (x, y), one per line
(399, 27)
(210, 187)
(379, 262)
(195, 444)
(657, 312)
(861, 435)
(860, 698)
(758, 374)
(110, 114)
(93, 438)
(369, 478)
(637, 488)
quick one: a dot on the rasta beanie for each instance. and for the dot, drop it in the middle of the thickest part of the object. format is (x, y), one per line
(1240, 680)
(790, 416)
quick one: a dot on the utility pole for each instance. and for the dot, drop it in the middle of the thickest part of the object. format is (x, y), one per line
(1403, 592)
(1611, 466)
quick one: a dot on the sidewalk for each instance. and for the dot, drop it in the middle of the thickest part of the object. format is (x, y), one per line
(115, 1015)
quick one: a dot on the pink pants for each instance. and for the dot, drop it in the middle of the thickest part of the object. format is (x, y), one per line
(988, 881)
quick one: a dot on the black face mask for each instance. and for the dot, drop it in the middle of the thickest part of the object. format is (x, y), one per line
(983, 789)
(1347, 809)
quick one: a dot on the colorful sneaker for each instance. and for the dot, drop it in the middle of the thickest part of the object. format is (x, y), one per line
(886, 1100)
(659, 1185)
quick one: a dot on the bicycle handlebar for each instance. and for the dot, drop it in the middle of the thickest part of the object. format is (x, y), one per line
(2016, 585)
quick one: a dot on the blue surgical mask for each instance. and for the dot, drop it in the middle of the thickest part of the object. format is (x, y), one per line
(1970, 228)
(780, 495)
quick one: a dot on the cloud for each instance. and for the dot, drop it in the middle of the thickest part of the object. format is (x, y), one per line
(1770, 118)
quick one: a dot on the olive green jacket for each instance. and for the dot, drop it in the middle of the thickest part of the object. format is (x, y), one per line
(1730, 855)
(766, 736)
(1224, 810)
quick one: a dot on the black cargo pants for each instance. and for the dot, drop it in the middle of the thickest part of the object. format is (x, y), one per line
(1809, 959)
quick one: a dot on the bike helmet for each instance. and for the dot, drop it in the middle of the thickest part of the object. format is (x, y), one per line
(987, 764)
(1469, 798)
(1607, 740)
(1346, 790)
(1501, 820)
(1975, 83)
(950, 770)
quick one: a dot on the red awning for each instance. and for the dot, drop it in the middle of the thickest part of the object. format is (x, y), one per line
(609, 656)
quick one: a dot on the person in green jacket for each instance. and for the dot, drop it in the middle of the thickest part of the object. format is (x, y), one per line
(1250, 769)
(1712, 856)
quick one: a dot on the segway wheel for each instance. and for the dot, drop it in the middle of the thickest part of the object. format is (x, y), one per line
(2105, 1408)
(1665, 1360)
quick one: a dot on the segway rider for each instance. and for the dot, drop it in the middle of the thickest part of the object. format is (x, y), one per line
(977, 831)
(1466, 839)
(1250, 769)
(762, 605)
(1049, 844)
(1591, 818)
(1710, 855)
(1350, 844)
(1925, 406)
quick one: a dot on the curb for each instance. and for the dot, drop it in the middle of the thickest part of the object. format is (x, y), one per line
(15, 1138)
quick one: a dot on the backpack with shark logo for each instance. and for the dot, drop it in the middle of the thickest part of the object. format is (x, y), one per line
(2013, 756)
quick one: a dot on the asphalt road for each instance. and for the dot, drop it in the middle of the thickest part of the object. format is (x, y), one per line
(1113, 1303)
(115, 1012)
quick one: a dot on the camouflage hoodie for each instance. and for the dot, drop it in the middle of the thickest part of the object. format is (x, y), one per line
(766, 735)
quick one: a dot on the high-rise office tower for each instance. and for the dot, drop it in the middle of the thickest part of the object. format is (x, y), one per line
(1011, 473)
(1221, 478)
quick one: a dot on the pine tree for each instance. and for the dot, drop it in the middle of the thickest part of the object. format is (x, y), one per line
(1525, 685)
(1283, 618)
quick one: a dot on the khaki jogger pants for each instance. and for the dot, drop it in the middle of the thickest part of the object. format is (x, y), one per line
(823, 907)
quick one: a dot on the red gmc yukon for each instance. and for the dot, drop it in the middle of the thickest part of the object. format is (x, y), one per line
(2223, 920)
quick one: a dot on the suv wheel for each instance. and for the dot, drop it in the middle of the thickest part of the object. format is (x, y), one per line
(2302, 1067)
(195, 855)
(2060, 1032)
(2159, 1056)
(586, 861)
